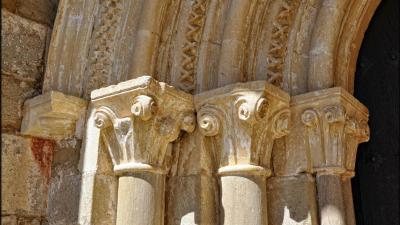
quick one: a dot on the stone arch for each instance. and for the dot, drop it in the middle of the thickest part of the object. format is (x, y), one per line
(299, 46)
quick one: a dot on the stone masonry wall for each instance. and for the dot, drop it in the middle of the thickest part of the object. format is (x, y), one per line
(26, 161)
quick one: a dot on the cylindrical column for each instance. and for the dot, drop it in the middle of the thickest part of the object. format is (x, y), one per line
(243, 198)
(330, 199)
(141, 199)
(348, 200)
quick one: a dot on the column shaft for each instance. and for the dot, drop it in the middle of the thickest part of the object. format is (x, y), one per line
(243, 200)
(330, 199)
(141, 199)
(348, 201)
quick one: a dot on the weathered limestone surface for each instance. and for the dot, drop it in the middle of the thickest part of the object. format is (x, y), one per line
(22, 46)
(286, 205)
(239, 123)
(53, 116)
(136, 120)
(42, 11)
(201, 45)
(195, 46)
(14, 220)
(26, 168)
(13, 94)
(65, 65)
(192, 200)
(26, 161)
(64, 185)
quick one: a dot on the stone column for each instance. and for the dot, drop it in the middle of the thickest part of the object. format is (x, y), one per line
(138, 120)
(334, 123)
(239, 123)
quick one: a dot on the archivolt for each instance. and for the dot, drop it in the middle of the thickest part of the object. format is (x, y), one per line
(298, 45)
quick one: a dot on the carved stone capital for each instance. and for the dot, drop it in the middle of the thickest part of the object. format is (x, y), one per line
(241, 122)
(52, 115)
(333, 123)
(138, 119)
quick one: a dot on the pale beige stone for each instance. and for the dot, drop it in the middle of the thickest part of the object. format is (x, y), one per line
(8, 220)
(24, 175)
(197, 46)
(67, 57)
(137, 120)
(14, 92)
(192, 200)
(23, 44)
(22, 47)
(53, 116)
(42, 11)
(240, 123)
(125, 110)
(292, 200)
(326, 129)
(332, 125)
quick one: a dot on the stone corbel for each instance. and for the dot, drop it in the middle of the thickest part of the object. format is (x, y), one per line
(333, 123)
(138, 119)
(240, 123)
(53, 116)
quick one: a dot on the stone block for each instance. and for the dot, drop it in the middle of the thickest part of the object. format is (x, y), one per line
(13, 94)
(286, 206)
(9, 220)
(42, 11)
(29, 221)
(65, 183)
(64, 192)
(53, 115)
(98, 199)
(23, 46)
(192, 200)
(25, 171)
(182, 200)
(15, 220)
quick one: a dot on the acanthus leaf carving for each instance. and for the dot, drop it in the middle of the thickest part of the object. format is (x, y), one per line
(138, 121)
(335, 124)
(242, 120)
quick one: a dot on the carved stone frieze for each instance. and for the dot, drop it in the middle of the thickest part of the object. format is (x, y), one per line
(138, 119)
(279, 36)
(197, 16)
(241, 122)
(102, 50)
(53, 116)
(333, 124)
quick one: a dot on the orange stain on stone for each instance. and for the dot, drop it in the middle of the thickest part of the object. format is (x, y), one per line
(42, 150)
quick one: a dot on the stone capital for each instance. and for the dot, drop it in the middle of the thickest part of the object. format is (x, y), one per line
(138, 119)
(53, 115)
(241, 122)
(332, 123)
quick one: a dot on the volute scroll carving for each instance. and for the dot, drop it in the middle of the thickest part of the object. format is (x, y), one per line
(138, 121)
(242, 121)
(334, 123)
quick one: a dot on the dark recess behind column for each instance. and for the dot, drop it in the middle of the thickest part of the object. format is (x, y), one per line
(376, 185)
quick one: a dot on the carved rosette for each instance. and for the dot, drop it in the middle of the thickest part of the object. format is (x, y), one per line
(334, 123)
(138, 119)
(241, 122)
